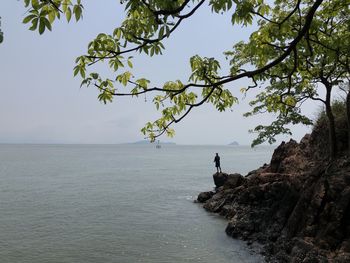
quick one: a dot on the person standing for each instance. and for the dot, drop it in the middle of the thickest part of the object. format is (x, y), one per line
(217, 163)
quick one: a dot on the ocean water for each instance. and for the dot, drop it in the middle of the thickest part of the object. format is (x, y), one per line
(116, 203)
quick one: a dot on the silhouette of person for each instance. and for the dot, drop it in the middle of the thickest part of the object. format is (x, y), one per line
(217, 163)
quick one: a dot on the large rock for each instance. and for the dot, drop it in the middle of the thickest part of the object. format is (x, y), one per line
(234, 180)
(204, 196)
(228, 180)
(297, 206)
(219, 179)
(292, 157)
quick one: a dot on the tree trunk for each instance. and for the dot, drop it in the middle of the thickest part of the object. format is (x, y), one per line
(331, 122)
(348, 118)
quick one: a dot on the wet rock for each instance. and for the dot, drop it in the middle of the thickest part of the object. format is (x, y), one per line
(204, 196)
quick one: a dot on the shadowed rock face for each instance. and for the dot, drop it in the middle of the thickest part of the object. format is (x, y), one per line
(204, 196)
(298, 206)
(229, 180)
(219, 179)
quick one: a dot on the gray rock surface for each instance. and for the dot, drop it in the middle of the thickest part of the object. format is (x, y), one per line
(298, 207)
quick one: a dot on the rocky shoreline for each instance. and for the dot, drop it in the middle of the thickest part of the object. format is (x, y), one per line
(298, 206)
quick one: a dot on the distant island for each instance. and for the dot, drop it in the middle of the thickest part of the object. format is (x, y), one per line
(234, 143)
(148, 142)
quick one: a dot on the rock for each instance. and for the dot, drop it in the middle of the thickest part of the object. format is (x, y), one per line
(345, 247)
(298, 206)
(204, 196)
(218, 200)
(234, 180)
(260, 170)
(219, 179)
(342, 258)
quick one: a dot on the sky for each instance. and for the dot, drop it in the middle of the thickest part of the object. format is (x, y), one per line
(41, 101)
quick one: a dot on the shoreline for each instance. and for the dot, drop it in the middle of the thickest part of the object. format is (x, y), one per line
(297, 207)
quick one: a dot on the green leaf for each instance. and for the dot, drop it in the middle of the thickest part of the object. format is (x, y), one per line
(94, 75)
(41, 26)
(76, 70)
(52, 16)
(47, 23)
(82, 72)
(167, 31)
(68, 14)
(28, 19)
(161, 33)
(34, 24)
(77, 12)
(129, 63)
(118, 33)
(35, 4)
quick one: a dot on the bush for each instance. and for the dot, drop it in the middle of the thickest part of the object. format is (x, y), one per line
(320, 134)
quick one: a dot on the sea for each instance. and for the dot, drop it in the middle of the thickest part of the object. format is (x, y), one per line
(117, 203)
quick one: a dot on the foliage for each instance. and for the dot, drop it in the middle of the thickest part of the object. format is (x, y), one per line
(319, 59)
(44, 12)
(339, 110)
(322, 130)
(274, 57)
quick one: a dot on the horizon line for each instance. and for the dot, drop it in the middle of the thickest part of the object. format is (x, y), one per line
(127, 143)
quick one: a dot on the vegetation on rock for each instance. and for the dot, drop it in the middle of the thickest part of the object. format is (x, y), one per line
(321, 129)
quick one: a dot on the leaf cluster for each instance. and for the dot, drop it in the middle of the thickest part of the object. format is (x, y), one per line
(320, 55)
(42, 13)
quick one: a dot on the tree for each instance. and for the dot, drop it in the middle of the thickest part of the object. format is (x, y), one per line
(348, 115)
(319, 60)
(149, 22)
(346, 88)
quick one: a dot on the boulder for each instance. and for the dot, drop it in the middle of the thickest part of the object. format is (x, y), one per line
(204, 196)
(234, 180)
(298, 206)
(219, 179)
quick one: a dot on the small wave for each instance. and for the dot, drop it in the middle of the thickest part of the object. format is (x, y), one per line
(187, 197)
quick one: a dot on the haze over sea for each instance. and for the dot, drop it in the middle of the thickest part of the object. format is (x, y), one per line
(116, 203)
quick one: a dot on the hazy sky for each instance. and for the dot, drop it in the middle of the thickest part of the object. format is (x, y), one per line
(41, 101)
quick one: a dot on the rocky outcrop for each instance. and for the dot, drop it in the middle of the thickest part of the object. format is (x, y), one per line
(229, 180)
(204, 196)
(297, 206)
